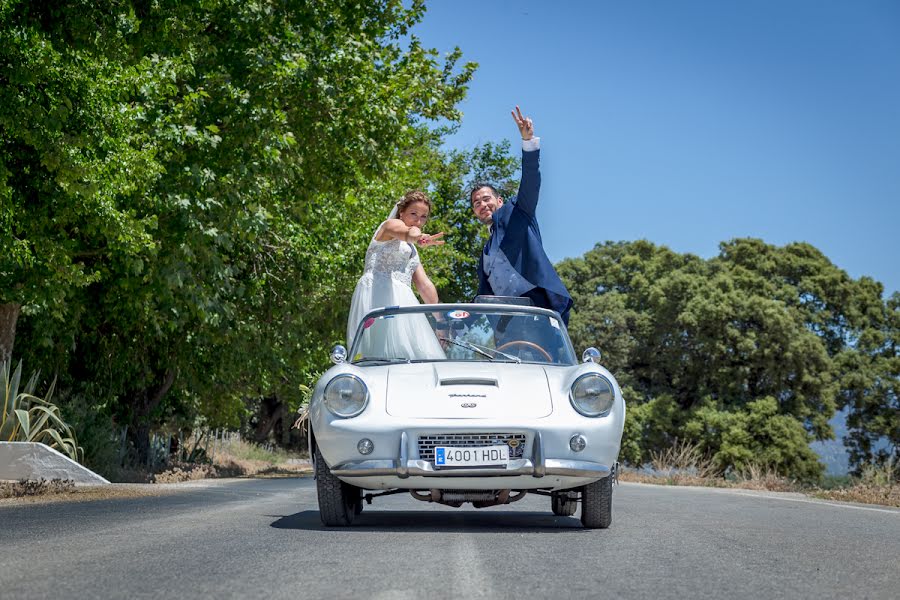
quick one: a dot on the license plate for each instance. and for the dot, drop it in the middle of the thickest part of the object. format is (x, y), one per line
(482, 456)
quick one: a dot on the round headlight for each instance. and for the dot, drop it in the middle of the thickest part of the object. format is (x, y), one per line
(346, 396)
(592, 395)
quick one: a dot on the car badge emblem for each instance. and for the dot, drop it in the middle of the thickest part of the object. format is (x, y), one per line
(468, 404)
(512, 443)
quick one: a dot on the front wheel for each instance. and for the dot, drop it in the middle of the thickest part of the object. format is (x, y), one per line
(338, 501)
(563, 504)
(596, 504)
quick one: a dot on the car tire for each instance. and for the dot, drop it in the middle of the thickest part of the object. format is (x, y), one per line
(338, 501)
(596, 504)
(562, 504)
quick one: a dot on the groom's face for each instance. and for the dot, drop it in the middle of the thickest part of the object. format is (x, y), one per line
(484, 203)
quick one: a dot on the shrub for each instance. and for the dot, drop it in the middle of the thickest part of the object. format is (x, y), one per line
(757, 435)
(95, 432)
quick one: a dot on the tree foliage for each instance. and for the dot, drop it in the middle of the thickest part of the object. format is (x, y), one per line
(174, 178)
(749, 353)
(449, 178)
(869, 371)
(187, 191)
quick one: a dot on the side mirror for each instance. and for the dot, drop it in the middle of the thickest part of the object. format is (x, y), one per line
(338, 354)
(591, 355)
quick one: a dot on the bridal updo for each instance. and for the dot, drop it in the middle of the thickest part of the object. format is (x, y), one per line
(412, 197)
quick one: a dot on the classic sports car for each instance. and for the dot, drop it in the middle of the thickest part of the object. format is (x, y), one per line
(494, 407)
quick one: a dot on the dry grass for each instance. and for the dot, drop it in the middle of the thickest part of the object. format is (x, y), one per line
(876, 485)
(683, 464)
(19, 489)
(863, 494)
(762, 477)
(18, 493)
(224, 467)
(185, 472)
(753, 478)
(680, 464)
(682, 457)
(236, 458)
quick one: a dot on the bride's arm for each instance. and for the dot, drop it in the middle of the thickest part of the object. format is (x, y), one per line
(395, 229)
(424, 286)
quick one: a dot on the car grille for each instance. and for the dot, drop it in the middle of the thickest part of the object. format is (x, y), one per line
(427, 443)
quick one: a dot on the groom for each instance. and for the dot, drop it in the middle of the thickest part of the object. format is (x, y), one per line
(513, 262)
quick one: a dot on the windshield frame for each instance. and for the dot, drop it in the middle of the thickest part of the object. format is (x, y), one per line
(480, 307)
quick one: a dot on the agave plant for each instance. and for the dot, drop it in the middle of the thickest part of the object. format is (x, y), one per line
(27, 418)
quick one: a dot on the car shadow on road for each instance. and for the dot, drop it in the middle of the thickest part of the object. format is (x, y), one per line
(424, 521)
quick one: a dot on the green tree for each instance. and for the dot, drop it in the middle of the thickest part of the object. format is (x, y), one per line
(713, 347)
(757, 434)
(250, 123)
(869, 373)
(446, 176)
(453, 267)
(69, 154)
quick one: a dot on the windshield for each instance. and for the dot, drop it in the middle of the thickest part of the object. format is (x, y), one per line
(462, 334)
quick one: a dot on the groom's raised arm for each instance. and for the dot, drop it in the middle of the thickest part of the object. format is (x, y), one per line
(530, 185)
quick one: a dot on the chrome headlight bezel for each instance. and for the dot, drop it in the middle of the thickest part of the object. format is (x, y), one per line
(578, 396)
(341, 411)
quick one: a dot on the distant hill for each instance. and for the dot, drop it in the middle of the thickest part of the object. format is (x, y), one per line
(833, 452)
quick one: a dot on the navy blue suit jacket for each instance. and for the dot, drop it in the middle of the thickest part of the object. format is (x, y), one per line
(517, 235)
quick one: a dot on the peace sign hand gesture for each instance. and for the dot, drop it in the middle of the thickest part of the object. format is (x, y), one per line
(525, 125)
(431, 240)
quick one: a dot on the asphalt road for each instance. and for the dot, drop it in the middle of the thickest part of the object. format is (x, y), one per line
(263, 538)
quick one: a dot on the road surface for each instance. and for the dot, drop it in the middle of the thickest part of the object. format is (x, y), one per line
(263, 538)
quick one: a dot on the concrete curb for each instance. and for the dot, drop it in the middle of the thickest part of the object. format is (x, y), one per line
(34, 461)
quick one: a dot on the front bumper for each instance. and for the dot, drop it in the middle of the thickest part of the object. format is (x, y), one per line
(537, 465)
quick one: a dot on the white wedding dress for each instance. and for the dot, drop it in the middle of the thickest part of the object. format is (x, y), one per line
(387, 281)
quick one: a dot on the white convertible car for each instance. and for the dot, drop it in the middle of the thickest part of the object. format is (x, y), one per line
(494, 407)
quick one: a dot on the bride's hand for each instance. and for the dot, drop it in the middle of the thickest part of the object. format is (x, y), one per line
(431, 240)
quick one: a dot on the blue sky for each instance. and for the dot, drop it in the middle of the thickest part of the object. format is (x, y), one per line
(688, 123)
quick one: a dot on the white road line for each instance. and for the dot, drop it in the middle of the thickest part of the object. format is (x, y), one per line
(468, 574)
(393, 594)
(817, 501)
(758, 494)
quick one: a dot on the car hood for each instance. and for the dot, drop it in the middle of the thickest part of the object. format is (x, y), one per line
(468, 391)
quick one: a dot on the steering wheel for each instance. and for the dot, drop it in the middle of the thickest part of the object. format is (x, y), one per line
(531, 345)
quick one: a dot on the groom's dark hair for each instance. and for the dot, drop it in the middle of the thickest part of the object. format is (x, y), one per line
(483, 184)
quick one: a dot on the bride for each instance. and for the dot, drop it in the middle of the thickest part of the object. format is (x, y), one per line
(392, 266)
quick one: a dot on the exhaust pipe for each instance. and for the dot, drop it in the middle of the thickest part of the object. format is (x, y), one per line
(478, 498)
